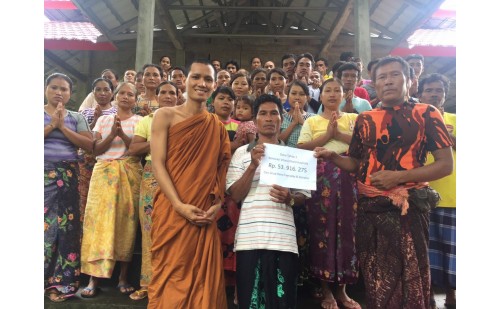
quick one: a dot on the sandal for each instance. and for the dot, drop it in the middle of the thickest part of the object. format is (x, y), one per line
(125, 288)
(139, 294)
(55, 296)
(90, 292)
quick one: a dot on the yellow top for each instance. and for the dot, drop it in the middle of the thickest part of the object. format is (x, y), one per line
(143, 129)
(447, 186)
(315, 126)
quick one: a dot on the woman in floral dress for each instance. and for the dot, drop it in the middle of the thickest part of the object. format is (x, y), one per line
(102, 89)
(111, 216)
(331, 208)
(64, 133)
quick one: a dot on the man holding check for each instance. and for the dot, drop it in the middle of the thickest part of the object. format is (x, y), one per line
(265, 242)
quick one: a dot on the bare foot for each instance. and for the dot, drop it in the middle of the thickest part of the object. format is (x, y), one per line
(328, 301)
(345, 301)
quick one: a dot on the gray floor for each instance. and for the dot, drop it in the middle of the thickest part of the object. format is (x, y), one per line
(110, 297)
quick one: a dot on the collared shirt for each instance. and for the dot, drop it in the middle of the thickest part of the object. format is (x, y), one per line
(263, 224)
(396, 138)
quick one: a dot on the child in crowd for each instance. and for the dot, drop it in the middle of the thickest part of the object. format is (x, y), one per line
(247, 130)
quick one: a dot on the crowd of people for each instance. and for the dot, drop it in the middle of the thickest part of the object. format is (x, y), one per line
(176, 152)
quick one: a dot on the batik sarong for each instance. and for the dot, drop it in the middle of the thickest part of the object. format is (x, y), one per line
(110, 223)
(331, 215)
(62, 227)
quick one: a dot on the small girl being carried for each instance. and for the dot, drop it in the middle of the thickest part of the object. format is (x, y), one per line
(247, 130)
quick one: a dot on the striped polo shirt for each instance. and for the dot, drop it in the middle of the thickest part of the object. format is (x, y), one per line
(263, 224)
(117, 148)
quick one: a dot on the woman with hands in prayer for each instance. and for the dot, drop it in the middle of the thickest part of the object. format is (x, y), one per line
(331, 209)
(64, 132)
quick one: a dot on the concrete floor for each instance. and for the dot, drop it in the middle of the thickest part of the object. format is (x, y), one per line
(110, 297)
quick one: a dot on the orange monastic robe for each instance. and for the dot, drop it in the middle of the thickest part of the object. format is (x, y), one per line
(187, 259)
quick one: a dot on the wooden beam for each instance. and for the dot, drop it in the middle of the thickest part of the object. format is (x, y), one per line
(186, 16)
(417, 5)
(255, 36)
(285, 18)
(169, 25)
(420, 18)
(337, 26)
(253, 8)
(197, 21)
(237, 25)
(303, 14)
(287, 26)
(374, 6)
(124, 26)
(384, 30)
(113, 11)
(63, 65)
(309, 22)
(220, 23)
(133, 36)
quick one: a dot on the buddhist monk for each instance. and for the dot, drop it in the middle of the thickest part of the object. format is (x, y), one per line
(190, 153)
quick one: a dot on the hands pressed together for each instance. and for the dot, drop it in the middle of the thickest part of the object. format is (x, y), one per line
(332, 130)
(297, 116)
(57, 120)
(116, 129)
(198, 216)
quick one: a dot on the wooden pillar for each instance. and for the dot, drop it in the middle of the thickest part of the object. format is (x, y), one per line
(362, 45)
(144, 47)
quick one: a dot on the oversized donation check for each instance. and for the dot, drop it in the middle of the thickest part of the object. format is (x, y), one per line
(288, 167)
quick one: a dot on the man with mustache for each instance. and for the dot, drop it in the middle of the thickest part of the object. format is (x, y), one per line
(388, 152)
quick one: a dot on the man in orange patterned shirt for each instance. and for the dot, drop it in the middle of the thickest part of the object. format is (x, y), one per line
(388, 152)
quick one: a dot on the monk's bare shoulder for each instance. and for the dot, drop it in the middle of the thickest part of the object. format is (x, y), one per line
(169, 115)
